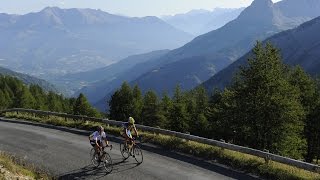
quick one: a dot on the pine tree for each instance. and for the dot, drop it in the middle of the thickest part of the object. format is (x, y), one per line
(82, 107)
(121, 103)
(165, 107)
(53, 103)
(267, 105)
(178, 116)
(137, 103)
(198, 103)
(3, 101)
(24, 99)
(151, 115)
(39, 96)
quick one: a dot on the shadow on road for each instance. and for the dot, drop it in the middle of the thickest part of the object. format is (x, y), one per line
(191, 160)
(92, 172)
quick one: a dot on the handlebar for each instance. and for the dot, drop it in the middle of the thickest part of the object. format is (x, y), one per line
(108, 146)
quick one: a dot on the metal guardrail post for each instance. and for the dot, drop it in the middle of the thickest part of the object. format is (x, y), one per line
(267, 157)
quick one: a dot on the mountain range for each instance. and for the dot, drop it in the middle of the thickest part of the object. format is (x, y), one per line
(299, 46)
(57, 41)
(206, 55)
(201, 21)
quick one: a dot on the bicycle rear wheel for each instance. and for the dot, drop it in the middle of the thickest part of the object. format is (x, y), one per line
(94, 157)
(138, 155)
(107, 162)
(124, 151)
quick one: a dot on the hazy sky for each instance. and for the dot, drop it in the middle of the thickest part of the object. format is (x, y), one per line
(124, 7)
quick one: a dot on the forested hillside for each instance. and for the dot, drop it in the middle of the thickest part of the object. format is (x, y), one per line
(15, 94)
(269, 106)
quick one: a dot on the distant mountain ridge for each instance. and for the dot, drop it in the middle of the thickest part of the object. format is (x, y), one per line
(218, 48)
(58, 41)
(201, 21)
(299, 46)
(206, 55)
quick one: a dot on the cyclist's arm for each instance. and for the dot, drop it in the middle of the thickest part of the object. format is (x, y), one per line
(106, 140)
(90, 136)
(135, 130)
(97, 144)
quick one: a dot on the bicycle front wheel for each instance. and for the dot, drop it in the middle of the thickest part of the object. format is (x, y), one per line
(124, 151)
(138, 155)
(107, 162)
(94, 157)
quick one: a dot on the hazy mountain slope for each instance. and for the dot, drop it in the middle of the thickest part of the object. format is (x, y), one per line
(201, 21)
(106, 74)
(57, 41)
(221, 19)
(28, 79)
(97, 90)
(219, 48)
(300, 46)
(299, 8)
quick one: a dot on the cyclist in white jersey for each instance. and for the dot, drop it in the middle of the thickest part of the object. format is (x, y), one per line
(96, 139)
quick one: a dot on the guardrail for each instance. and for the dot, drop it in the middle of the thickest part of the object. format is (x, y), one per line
(266, 155)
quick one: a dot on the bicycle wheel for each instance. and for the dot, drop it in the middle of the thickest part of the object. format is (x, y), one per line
(94, 158)
(107, 162)
(138, 156)
(124, 151)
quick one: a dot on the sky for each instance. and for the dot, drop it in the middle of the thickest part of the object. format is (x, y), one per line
(137, 8)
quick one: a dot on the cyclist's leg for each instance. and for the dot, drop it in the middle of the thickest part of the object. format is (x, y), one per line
(93, 144)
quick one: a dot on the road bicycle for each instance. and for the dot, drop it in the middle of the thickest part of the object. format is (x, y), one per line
(104, 157)
(132, 149)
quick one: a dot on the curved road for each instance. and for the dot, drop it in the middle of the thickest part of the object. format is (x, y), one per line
(66, 156)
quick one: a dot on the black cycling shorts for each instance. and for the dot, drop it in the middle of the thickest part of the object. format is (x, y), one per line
(93, 143)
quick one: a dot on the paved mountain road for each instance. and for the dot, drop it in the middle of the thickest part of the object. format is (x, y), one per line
(66, 156)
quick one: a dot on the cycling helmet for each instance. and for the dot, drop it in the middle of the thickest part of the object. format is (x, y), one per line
(131, 120)
(100, 128)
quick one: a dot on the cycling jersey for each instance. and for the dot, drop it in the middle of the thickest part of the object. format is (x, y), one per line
(128, 128)
(97, 137)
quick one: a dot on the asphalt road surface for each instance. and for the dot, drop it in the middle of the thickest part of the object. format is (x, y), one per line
(66, 156)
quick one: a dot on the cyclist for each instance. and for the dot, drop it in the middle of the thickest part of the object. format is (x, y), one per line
(128, 127)
(96, 139)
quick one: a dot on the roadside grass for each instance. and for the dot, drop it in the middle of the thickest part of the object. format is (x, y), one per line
(17, 167)
(240, 161)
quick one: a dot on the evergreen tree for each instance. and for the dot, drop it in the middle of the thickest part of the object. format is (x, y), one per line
(137, 103)
(165, 107)
(267, 105)
(40, 97)
(24, 99)
(3, 100)
(53, 103)
(178, 116)
(82, 107)
(198, 106)
(151, 115)
(121, 103)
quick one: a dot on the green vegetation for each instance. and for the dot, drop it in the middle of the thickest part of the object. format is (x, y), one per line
(19, 168)
(237, 160)
(269, 106)
(14, 94)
